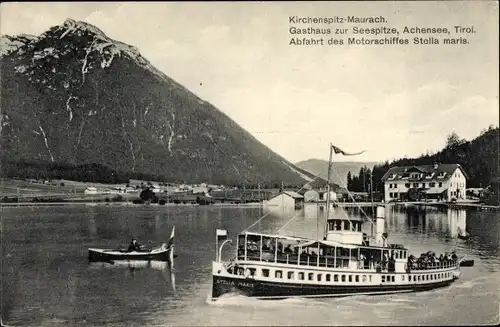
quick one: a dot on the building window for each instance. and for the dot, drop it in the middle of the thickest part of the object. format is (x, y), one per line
(265, 272)
(423, 185)
(290, 275)
(327, 277)
(278, 274)
(432, 184)
(407, 185)
(415, 184)
(390, 194)
(440, 184)
(396, 195)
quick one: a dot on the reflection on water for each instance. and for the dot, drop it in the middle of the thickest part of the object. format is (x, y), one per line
(47, 281)
(131, 264)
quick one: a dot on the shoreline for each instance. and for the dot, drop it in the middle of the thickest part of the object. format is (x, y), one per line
(453, 205)
(124, 203)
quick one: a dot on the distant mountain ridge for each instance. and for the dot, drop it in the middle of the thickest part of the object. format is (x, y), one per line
(74, 96)
(339, 169)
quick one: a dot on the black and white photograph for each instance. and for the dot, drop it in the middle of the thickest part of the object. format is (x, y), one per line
(249, 163)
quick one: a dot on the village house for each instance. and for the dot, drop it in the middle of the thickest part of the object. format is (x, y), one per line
(316, 192)
(435, 182)
(287, 200)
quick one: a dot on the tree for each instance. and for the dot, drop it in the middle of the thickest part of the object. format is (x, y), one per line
(453, 141)
(349, 180)
(147, 195)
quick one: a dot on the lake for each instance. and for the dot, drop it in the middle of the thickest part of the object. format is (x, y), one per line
(47, 280)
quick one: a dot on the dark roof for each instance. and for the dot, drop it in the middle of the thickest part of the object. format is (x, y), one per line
(430, 173)
(319, 184)
(292, 194)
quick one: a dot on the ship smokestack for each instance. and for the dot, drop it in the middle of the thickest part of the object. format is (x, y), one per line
(380, 225)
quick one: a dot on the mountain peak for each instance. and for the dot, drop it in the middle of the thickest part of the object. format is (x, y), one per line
(76, 96)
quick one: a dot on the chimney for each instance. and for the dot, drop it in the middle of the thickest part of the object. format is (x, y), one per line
(380, 225)
(436, 165)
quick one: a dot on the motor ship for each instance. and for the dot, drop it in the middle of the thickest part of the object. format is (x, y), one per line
(344, 261)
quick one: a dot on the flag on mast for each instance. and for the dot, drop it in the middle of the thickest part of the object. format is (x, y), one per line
(171, 240)
(337, 150)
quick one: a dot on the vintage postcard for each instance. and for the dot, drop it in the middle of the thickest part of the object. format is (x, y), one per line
(249, 163)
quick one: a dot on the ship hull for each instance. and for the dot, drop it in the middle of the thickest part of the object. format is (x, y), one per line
(274, 290)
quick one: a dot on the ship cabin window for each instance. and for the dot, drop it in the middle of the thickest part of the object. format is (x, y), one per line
(357, 278)
(301, 276)
(403, 278)
(426, 277)
(432, 277)
(350, 278)
(290, 275)
(409, 278)
(346, 225)
(393, 278)
(328, 277)
(252, 271)
(370, 278)
(311, 276)
(343, 278)
(265, 272)
(364, 278)
(319, 277)
(383, 279)
(335, 278)
(278, 274)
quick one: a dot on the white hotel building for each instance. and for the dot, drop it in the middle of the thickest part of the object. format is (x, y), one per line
(438, 181)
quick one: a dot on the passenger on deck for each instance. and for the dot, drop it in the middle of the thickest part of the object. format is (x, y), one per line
(288, 250)
(134, 246)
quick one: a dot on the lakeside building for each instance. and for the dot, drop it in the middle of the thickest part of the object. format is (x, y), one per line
(427, 182)
(286, 199)
(316, 192)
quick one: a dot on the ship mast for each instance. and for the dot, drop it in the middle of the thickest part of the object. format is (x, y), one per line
(328, 191)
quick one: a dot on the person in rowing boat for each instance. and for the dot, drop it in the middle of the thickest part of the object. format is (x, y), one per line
(134, 246)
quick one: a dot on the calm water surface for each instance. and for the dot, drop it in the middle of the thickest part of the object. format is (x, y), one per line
(47, 280)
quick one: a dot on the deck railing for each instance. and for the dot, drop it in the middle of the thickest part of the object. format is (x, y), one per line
(335, 261)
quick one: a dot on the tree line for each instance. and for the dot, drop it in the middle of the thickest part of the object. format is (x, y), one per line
(101, 173)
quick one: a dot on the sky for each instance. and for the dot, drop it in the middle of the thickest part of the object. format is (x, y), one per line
(392, 101)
